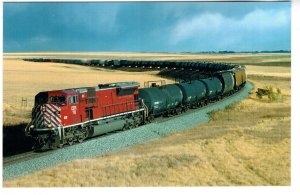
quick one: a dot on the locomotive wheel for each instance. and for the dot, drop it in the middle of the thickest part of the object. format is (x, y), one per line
(150, 118)
(199, 104)
(177, 111)
(184, 109)
(50, 146)
(136, 124)
(80, 139)
(70, 141)
(127, 126)
(132, 125)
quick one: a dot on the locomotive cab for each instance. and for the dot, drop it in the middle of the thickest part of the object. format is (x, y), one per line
(46, 110)
(50, 113)
(58, 100)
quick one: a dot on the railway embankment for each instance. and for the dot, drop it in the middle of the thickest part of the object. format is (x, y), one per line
(116, 141)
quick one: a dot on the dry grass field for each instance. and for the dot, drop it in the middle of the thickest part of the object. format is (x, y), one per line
(246, 144)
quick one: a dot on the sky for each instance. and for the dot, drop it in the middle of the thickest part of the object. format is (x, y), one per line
(146, 26)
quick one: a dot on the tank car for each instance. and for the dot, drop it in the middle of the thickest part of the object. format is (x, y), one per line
(162, 100)
(240, 78)
(174, 98)
(227, 80)
(154, 99)
(213, 88)
(193, 92)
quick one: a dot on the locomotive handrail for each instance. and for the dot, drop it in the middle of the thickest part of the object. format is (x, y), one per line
(27, 129)
(104, 117)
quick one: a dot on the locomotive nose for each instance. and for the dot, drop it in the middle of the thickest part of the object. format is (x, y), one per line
(52, 115)
(46, 115)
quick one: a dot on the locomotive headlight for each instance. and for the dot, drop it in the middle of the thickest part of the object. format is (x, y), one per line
(31, 126)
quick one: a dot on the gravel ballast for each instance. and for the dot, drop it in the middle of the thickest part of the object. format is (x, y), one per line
(119, 140)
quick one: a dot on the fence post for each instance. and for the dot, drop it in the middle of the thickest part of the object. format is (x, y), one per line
(24, 102)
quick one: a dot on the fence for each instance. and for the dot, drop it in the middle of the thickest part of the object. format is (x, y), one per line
(24, 102)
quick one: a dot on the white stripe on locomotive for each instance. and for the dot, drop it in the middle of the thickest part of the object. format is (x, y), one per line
(51, 119)
(38, 119)
(52, 115)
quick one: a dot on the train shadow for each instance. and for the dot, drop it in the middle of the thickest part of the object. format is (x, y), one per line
(14, 140)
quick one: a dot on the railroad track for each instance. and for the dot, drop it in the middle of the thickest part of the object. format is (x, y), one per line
(19, 158)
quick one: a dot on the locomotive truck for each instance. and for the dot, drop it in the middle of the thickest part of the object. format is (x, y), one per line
(62, 117)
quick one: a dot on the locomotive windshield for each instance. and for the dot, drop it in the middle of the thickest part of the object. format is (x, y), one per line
(41, 98)
(57, 99)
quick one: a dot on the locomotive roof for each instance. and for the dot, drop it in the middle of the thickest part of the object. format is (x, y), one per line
(118, 85)
(101, 87)
(72, 91)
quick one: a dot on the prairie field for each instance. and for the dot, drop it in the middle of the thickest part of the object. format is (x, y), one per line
(248, 143)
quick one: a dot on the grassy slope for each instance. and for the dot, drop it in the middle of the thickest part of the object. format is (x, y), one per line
(253, 150)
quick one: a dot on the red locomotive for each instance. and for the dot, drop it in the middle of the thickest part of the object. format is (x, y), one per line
(63, 116)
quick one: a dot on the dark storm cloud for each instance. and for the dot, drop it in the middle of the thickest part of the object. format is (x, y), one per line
(151, 26)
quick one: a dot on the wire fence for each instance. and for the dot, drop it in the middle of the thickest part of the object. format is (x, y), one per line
(23, 102)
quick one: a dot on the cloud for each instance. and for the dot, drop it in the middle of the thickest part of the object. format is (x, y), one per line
(265, 20)
(223, 31)
(200, 24)
(150, 26)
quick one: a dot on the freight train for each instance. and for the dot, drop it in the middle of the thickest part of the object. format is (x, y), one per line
(62, 117)
(201, 65)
